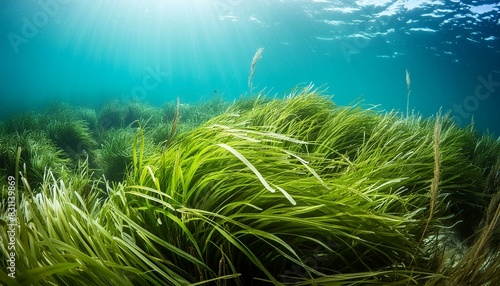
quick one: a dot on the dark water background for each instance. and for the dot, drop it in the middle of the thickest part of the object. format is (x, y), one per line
(88, 52)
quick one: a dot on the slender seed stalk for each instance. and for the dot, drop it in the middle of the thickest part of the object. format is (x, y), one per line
(408, 90)
(437, 174)
(256, 58)
(174, 125)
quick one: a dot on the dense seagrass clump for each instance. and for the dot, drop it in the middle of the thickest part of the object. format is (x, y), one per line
(35, 154)
(299, 175)
(291, 191)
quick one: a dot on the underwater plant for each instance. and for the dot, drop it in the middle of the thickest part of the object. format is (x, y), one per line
(116, 114)
(37, 154)
(181, 118)
(111, 115)
(391, 167)
(89, 116)
(256, 58)
(289, 191)
(143, 113)
(26, 121)
(115, 155)
(195, 114)
(408, 91)
(73, 137)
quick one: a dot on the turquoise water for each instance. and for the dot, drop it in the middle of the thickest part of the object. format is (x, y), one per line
(88, 52)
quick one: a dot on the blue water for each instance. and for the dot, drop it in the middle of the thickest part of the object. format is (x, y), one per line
(89, 52)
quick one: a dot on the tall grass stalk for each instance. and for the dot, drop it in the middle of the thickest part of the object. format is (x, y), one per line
(174, 124)
(437, 174)
(256, 58)
(408, 91)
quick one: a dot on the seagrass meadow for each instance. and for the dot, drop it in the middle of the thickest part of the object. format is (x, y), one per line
(291, 190)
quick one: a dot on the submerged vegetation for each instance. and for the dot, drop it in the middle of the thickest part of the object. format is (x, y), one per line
(291, 191)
